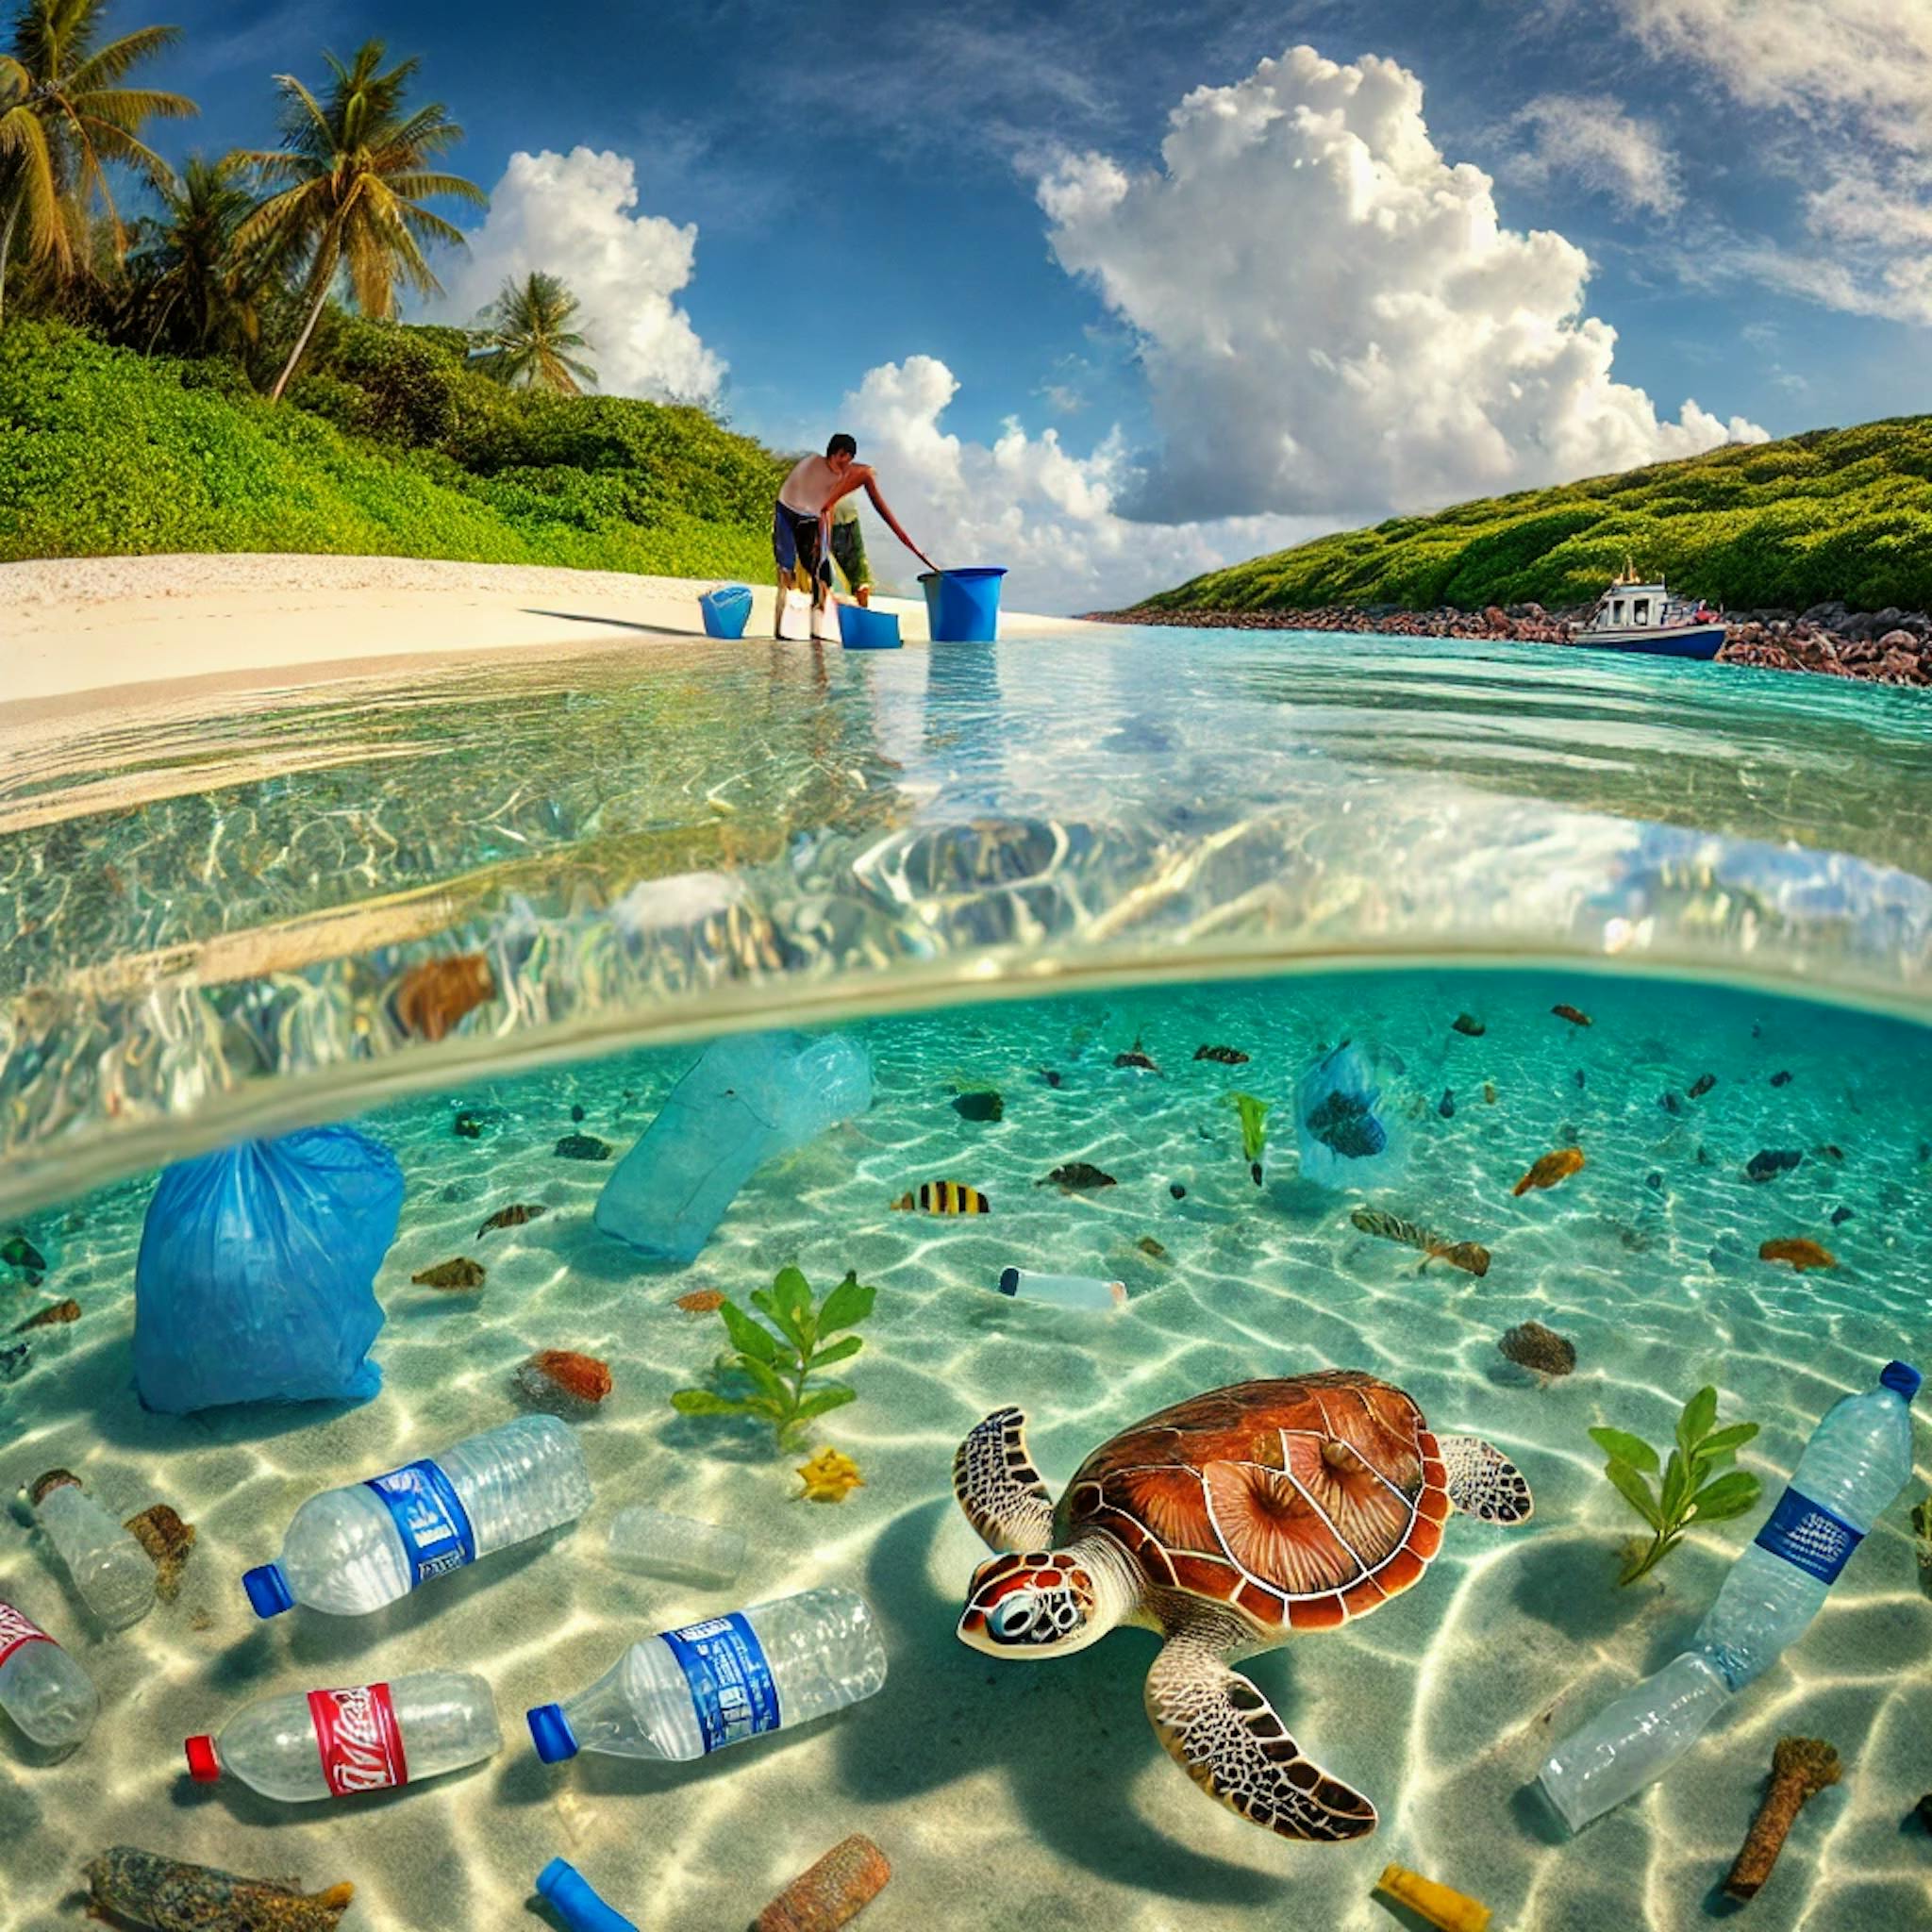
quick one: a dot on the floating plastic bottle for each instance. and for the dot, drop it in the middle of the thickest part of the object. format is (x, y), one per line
(747, 1100)
(575, 1902)
(1857, 1461)
(351, 1551)
(1065, 1290)
(685, 1693)
(41, 1689)
(677, 1549)
(114, 1575)
(336, 1743)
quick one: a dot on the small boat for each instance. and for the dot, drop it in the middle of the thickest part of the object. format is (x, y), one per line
(1632, 616)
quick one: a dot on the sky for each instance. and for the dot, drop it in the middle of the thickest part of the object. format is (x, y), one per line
(1113, 293)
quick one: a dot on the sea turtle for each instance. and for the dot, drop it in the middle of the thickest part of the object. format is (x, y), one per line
(1227, 1523)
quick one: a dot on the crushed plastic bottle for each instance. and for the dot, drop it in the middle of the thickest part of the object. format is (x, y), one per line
(677, 1549)
(112, 1574)
(41, 1689)
(336, 1743)
(352, 1551)
(1065, 1290)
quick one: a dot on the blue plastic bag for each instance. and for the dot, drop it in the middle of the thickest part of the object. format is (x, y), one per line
(256, 1281)
(1344, 1127)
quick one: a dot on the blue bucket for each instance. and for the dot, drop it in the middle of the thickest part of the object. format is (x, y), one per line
(726, 610)
(962, 607)
(861, 629)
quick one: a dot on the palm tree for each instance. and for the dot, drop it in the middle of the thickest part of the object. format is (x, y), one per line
(358, 172)
(529, 335)
(194, 269)
(58, 77)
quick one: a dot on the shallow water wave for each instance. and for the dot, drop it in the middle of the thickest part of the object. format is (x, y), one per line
(201, 920)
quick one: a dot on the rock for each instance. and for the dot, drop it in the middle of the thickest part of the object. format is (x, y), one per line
(1541, 1349)
(583, 1147)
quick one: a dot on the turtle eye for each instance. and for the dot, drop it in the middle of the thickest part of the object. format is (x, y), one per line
(1013, 1618)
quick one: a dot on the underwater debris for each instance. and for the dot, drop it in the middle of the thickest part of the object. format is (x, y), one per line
(560, 1378)
(1781, 1078)
(1221, 1056)
(1769, 1163)
(1701, 1085)
(467, 1126)
(459, 1274)
(979, 1107)
(1151, 1248)
(1467, 1256)
(1446, 1106)
(1440, 1905)
(1550, 1169)
(701, 1301)
(1800, 1253)
(14, 1362)
(583, 1147)
(167, 1540)
(829, 1476)
(1468, 1024)
(1534, 1346)
(1575, 1017)
(432, 998)
(513, 1217)
(1488, 1094)
(1077, 1177)
(165, 1895)
(942, 1197)
(1800, 1768)
(51, 1317)
(18, 1251)
(831, 1892)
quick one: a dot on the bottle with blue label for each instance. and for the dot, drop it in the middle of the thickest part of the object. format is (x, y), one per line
(1857, 1461)
(351, 1551)
(685, 1693)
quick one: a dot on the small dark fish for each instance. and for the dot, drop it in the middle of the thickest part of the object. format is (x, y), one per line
(1575, 1017)
(1701, 1085)
(1654, 1179)
(1578, 1077)
(1467, 1256)
(1254, 1172)
(52, 1317)
(943, 1197)
(1831, 1151)
(510, 1217)
(1671, 1104)
(1446, 1106)
(460, 1273)
(14, 1360)
(18, 1251)
(1136, 1059)
(1180, 1192)
(1077, 1176)
(1839, 1216)
(467, 1126)
(1468, 1023)
(1050, 1075)
(1222, 1055)
(1781, 1079)
(1151, 1248)
(577, 1113)
(1344, 1125)
(164, 1895)
(1769, 1163)
(583, 1147)
(979, 1107)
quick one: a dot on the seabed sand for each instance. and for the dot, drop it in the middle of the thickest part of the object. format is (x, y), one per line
(1012, 1797)
(88, 624)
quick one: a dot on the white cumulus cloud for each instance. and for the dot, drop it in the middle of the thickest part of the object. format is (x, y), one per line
(572, 216)
(1332, 315)
(1591, 140)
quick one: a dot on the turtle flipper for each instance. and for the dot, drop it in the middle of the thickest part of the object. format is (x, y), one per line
(1483, 1482)
(1225, 1736)
(998, 1487)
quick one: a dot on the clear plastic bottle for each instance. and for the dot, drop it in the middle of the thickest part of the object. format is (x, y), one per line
(41, 1689)
(114, 1575)
(335, 1743)
(351, 1551)
(685, 1693)
(1857, 1461)
(1065, 1290)
(678, 1549)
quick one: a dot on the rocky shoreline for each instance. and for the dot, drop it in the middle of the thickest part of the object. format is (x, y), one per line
(1888, 646)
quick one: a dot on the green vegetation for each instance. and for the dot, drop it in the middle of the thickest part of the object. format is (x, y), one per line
(1833, 514)
(764, 1374)
(531, 333)
(1686, 1496)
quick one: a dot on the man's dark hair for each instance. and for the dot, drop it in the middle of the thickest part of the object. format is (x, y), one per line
(842, 445)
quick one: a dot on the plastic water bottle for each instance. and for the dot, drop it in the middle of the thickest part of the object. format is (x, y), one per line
(678, 1549)
(1065, 1290)
(41, 1689)
(575, 1901)
(685, 1693)
(335, 1743)
(352, 1551)
(1857, 1461)
(114, 1575)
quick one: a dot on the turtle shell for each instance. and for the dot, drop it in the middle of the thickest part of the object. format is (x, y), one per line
(1298, 1504)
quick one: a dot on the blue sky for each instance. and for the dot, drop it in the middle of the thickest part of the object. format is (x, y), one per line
(889, 200)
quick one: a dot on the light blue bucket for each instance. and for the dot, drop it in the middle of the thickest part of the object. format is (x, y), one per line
(726, 610)
(861, 629)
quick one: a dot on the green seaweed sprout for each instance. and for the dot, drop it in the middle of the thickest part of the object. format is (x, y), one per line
(764, 1374)
(1692, 1489)
(1253, 1115)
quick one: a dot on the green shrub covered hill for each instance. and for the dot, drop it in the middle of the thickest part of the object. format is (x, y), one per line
(1835, 514)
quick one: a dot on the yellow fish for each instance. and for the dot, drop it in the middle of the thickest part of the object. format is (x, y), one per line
(1800, 1253)
(1551, 1168)
(828, 1477)
(943, 1197)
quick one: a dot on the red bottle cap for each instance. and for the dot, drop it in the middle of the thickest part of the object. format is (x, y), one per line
(203, 1767)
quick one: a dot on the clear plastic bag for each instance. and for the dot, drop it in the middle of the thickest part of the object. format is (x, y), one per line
(1344, 1120)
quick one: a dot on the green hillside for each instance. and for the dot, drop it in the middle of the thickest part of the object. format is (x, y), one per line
(388, 448)
(1841, 514)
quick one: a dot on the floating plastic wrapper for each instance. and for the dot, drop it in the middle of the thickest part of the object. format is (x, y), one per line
(1344, 1119)
(747, 1099)
(256, 1280)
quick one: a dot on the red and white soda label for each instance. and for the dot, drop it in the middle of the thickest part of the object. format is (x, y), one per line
(16, 1630)
(356, 1732)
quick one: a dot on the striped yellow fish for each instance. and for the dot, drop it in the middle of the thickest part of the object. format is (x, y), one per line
(944, 1197)
(1467, 1256)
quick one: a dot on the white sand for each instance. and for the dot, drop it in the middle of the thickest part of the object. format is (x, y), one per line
(90, 624)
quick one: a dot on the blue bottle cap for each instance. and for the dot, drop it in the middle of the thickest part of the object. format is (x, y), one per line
(1009, 1281)
(268, 1590)
(550, 1729)
(1901, 1377)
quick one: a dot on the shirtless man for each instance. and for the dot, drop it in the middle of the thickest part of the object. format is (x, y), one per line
(801, 518)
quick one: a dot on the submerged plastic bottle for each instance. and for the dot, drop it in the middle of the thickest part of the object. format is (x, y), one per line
(41, 1689)
(1065, 1290)
(335, 1743)
(685, 1693)
(1859, 1458)
(678, 1549)
(114, 1575)
(575, 1901)
(352, 1551)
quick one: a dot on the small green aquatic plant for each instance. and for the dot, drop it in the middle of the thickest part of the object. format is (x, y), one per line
(1253, 1115)
(764, 1374)
(1692, 1489)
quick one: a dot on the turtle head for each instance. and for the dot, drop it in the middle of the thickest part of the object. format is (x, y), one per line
(1040, 1603)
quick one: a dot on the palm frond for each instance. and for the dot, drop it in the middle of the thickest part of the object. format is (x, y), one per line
(106, 66)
